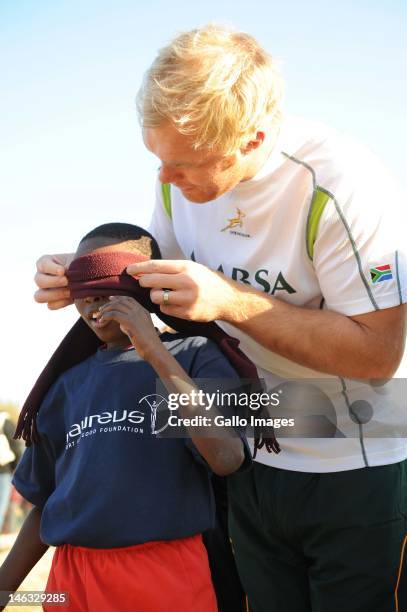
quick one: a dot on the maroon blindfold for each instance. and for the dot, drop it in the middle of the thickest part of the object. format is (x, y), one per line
(100, 274)
(104, 274)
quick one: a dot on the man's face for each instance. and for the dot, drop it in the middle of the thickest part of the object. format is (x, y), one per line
(200, 175)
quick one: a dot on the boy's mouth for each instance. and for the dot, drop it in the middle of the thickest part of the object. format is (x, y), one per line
(93, 318)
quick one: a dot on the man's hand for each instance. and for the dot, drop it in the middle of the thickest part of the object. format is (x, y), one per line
(197, 293)
(52, 282)
(135, 322)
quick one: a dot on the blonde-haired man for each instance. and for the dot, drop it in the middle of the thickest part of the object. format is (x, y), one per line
(261, 217)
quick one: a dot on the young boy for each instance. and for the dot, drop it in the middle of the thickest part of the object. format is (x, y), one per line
(124, 507)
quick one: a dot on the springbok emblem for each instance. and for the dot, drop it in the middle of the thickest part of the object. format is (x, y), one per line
(235, 221)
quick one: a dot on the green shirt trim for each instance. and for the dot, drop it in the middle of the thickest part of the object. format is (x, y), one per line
(319, 200)
(166, 193)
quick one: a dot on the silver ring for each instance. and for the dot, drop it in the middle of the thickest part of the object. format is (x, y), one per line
(166, 296)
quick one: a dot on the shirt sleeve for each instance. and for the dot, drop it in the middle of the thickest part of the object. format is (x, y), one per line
(161, 227)
(212, 372)
(359, 256)
(34, 477)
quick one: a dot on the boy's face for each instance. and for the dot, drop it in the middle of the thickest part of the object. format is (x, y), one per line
(109, 332)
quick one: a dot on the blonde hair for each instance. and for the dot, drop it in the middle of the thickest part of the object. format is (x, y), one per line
(214, 84)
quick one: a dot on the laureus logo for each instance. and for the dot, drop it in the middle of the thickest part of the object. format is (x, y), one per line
(159, 411)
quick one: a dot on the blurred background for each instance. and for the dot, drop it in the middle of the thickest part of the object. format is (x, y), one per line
(71, 155)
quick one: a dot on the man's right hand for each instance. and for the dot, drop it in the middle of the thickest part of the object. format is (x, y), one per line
(52, 282)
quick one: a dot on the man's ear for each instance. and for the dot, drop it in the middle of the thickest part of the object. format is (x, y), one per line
(254, 143)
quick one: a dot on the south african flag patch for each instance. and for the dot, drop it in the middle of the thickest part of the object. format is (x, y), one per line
(380, 274)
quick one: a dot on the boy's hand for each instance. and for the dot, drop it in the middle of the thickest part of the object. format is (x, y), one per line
(52, 282)
(135, 321)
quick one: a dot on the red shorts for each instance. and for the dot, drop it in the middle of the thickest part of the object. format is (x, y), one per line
(171, 576)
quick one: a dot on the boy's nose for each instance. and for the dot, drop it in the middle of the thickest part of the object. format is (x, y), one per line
(93, 298)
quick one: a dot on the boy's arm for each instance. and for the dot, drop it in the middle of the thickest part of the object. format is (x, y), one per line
(25, 553)
(224, 455)
(34, 479)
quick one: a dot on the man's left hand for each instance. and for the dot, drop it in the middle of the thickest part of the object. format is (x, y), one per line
(196, 292)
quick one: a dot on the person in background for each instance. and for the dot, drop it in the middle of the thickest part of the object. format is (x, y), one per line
(10, 453)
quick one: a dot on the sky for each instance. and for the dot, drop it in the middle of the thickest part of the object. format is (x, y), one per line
(71, 153)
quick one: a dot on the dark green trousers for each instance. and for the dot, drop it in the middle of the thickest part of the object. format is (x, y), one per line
(321, 542)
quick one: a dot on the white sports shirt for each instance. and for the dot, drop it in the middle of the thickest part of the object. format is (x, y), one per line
(319, 221)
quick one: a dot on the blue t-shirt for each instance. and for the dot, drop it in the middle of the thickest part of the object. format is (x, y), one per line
(102, 474)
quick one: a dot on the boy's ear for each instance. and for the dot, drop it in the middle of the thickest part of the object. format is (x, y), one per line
(254, 143)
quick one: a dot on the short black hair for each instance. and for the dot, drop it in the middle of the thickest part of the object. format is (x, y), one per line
(139, 239)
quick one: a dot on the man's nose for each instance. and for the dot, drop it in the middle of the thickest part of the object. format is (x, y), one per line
(168, 174)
